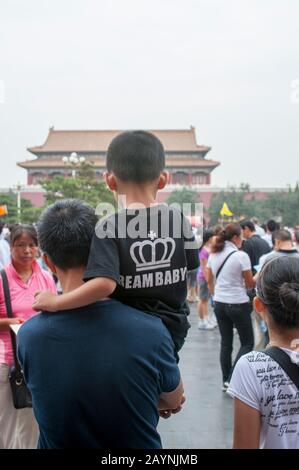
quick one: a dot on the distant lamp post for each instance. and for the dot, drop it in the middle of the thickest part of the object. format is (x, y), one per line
(19, 208)
(74, 160)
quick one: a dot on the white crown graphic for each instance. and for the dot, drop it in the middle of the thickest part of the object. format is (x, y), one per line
(149, 261)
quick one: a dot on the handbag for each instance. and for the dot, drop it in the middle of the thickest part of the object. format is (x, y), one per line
(21, 395)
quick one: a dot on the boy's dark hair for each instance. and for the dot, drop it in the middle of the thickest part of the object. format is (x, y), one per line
(136, 156)
(248, 224)
(297, 236)
(278, 288)
(65, 230)
(20, 229)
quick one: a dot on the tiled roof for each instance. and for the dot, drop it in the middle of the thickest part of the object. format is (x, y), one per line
(98, 162)
(98, 141)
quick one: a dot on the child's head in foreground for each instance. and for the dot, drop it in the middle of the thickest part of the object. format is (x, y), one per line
(278, 292)
(136, 158)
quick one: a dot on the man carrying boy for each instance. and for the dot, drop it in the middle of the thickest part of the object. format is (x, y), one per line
(96, 380)
(140, 255)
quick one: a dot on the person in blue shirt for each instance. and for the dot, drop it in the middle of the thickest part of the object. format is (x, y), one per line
(99, 375)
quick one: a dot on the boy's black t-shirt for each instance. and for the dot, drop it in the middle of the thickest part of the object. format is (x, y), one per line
(148, 252)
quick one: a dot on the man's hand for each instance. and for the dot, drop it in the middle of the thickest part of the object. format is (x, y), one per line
(167, 413)
(45, 301)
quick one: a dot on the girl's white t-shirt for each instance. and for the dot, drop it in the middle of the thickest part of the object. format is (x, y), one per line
(230, 285)
(260, 382)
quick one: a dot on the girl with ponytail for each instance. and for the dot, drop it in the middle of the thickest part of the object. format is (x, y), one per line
(266, 390)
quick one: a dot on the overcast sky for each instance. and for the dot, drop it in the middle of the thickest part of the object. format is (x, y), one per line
(224, 66)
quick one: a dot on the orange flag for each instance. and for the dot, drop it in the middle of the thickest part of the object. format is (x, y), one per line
(3, 210)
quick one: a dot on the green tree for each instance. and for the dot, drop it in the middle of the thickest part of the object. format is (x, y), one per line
(83, 186)
(284, 206)
(240, 201)
(29, 214)
(183, 196)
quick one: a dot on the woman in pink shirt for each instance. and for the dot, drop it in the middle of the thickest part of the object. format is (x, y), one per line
(18, 428)
(204, 322)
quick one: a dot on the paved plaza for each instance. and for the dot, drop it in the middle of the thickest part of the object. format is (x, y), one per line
(206, 421)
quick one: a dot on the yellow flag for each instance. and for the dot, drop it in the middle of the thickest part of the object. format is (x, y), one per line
(226, 210)
(3, 210)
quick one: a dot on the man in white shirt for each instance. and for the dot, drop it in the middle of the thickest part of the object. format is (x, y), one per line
(4, 249)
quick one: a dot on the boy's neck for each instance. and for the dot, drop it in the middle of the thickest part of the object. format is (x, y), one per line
(137, 195)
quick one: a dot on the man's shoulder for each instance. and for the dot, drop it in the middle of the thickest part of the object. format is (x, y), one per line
(32, 326)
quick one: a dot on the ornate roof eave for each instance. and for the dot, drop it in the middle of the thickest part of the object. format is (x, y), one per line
(89, 141)
(101, 163)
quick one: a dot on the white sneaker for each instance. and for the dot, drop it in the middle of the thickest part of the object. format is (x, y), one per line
(204, 325)
(212, 322)
(225, 386)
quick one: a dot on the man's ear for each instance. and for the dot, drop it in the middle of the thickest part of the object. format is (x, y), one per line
(163, 179)
(49, 263)
(260, 307)
(111, 181)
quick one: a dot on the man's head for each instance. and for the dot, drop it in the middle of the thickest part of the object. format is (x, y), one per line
(65, 231)
(248, 228)
(135, 157)
(282, 239)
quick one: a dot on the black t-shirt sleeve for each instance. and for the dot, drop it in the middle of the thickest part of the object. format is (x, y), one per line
(248, 248)
(103, 258)
(191, 245)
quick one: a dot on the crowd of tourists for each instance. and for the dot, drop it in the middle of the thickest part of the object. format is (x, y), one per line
(101, 370)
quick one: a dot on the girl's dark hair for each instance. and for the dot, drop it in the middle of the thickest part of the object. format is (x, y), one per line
(278, 287)
(229, 232)
(207, 235)
(18, 230)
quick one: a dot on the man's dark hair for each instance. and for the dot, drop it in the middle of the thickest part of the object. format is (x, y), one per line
(248, 224)
(272, 225)
(65, 230)
(282, 235)
(136, 156)
(297, 236)
(1, 226)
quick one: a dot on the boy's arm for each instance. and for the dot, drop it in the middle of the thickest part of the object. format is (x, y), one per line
(93, 290)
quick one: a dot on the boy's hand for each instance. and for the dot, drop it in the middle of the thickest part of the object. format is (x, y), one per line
(45, 301)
